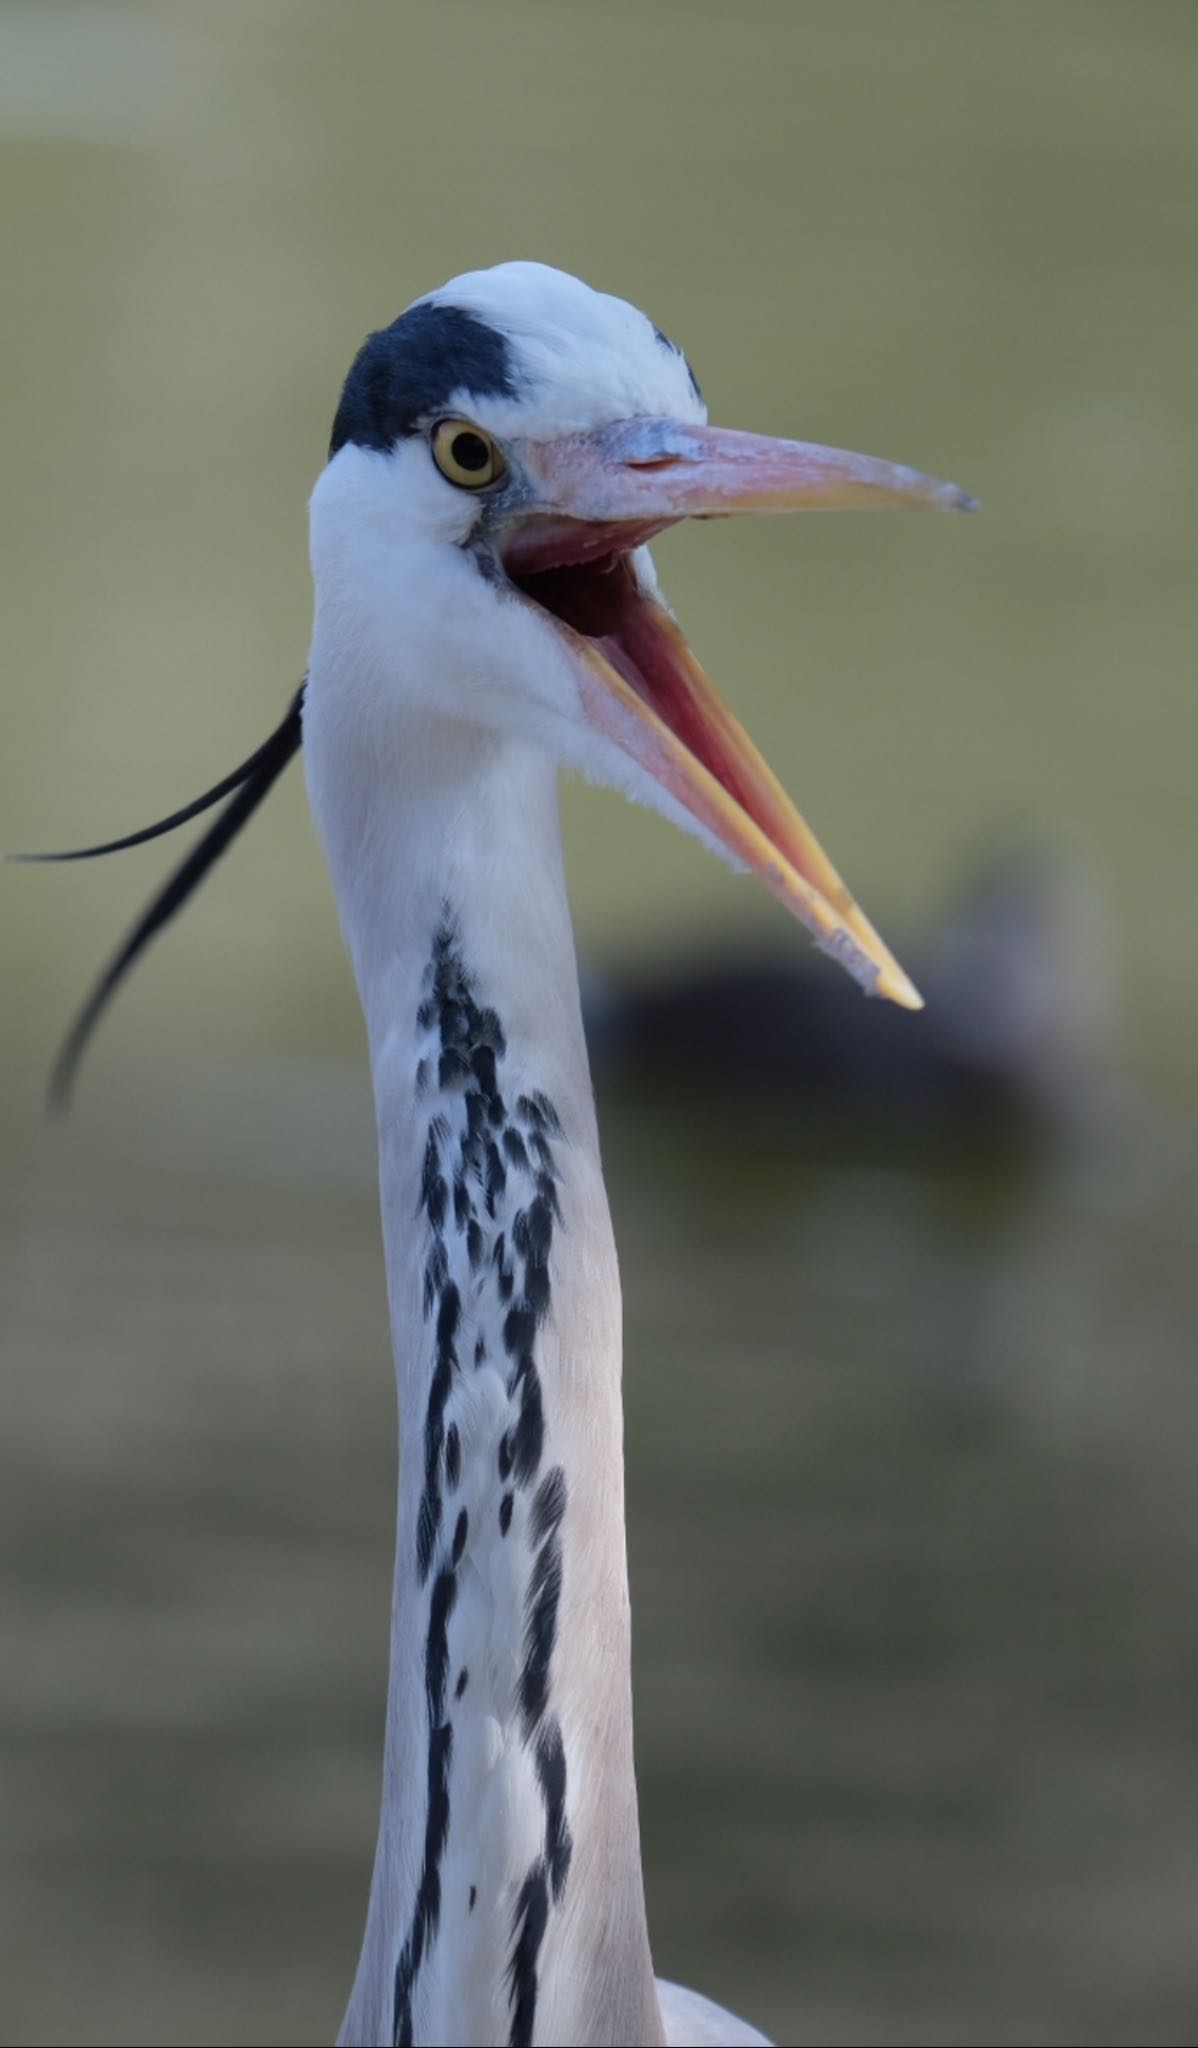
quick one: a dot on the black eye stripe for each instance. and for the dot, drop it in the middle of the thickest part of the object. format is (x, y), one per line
(407, 373)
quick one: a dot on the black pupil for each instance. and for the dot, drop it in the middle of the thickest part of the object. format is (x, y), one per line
(470, 451)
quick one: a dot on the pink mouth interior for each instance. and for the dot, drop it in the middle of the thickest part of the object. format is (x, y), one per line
(597, 596)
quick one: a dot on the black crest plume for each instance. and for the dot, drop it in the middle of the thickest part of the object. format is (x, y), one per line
(246, 787)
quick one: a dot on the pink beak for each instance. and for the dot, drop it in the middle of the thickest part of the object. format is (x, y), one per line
(640, 476)
(595, 497)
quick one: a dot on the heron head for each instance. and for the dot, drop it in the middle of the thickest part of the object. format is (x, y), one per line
(500, 457)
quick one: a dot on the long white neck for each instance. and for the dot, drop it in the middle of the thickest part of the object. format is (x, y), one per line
(507, 1901)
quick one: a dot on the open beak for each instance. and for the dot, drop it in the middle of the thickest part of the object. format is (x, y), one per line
(595, 497)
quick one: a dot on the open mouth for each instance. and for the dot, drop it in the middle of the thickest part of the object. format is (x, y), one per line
(601, 601)
(642, 686)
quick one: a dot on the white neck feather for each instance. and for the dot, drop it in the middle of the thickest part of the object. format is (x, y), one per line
(507, 1902)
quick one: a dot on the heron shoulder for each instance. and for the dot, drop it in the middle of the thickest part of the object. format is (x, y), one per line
(692, 2021)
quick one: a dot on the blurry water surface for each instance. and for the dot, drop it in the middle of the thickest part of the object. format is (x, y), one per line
(911, 1413)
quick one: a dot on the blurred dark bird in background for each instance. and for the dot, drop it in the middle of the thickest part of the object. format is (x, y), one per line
(1017, 1041)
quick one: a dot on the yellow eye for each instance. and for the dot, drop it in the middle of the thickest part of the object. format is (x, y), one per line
(465, 455)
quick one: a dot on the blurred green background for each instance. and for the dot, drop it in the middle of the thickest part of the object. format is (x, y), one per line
(911, 1403)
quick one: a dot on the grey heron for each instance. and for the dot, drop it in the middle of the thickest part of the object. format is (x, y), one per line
(487, 611)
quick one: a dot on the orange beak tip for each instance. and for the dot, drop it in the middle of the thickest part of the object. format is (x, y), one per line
(875, 977)
(898, 989)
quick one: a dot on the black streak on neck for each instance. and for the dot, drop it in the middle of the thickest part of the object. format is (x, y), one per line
(465, 1174)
